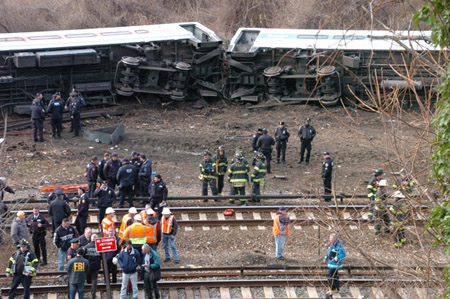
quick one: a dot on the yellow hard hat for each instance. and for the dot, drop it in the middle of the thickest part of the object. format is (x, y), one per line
(20, 213)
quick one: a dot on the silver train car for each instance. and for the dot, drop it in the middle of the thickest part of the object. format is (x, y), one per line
(170, 61)
(324, 65)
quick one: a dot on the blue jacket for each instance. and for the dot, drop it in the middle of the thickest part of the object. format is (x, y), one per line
(126, 175)
(129, 261)
(339, 254)
(146, 170)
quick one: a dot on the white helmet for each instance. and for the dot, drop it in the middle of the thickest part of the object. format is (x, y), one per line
(2, 179)
(110, 210)
(137, 217)
(115, 260)
(149, 211)
(132, 210)
(166, 211)
(398, 194)
(383, 183)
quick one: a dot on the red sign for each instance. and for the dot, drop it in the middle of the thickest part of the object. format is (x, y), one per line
(105, 244)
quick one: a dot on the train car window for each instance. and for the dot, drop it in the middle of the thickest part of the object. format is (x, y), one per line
(115, 33)
(141, 31)
(350, 37)
(77, 35)
(12, 39)
(312, 36)
(44, 37)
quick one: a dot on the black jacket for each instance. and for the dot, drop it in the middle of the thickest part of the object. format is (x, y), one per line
(63, 237)
(327, 168)
(126, 175)
(105, 197)
(265, 143)
(158, 191)
(7, 189)
(52, 197)
(145, 173)
(255, 140)
(94, 258)
(83, 204)
(111, 168)
(282, 134)
(306, 133)
(92, 172)
(59, 209)
(56, 109)
(33, 222)
(37, 112)
(101, 166)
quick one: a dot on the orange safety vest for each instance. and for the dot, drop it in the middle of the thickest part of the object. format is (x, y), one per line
(123, 225)
(140, 234)
(107, 222)
(143, 215)
(151, 233)
(166, 225)
(276, 229)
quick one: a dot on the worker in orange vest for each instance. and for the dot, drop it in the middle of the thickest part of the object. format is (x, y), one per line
(280, 230)
(143, 213)
(108, 222)
(169, 228)
(123, 226)
(140, 234)
(152, 222)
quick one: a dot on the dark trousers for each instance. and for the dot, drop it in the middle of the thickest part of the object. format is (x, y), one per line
(382, 221)
(256, 190)
(212, 184)
(39, 245)
(112, 182)
(327, 187)
(126, 191)
(26, 283)
(268, 155)
(333, 279)
(150, 286)
(281, 150)
(92, 277)
(112, 269)
(81, 222)
(38, 129)
(306, 145)
(92, 186)
(237, 191)
(55, 224)
(76, 124)
(154, 203)
(101, 213)
(56, 127)
(220, 183)
(143, 187)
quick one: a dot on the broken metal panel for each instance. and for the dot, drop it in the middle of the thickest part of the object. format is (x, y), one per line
(109, 135)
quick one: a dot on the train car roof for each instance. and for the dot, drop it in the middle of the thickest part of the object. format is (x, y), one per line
(252, 39)
(28, 41)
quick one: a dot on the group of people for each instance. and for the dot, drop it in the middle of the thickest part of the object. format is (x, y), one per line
(55, 109)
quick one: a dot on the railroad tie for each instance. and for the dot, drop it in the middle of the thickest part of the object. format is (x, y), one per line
(204, 218)
(290, 292)
(256, 216)
(225, 293)
(403, 293)
(246, 292)
(93, 218)
(115, 294)
(204, 293)
(239, 216)
(52, 296)
(173, 294)
(189, 293)
(141, 294)
(355, 292)
(292, 216)
(377, 293)
(312, 292)
(186, 217)
(268, 292)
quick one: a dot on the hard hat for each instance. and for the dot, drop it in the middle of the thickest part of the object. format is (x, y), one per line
(2, 179)
(20, 214)
(24, 243)
(206, 153)
(166, 211)
(398, 194)
(264, 130)
(221, 148)
(281, 122)
(382, 183)
(260, 156)
(149, 211)
(115, 260)
(137, 217)
(132, 210)
(238, 156)
(378, 172)
(109, 210)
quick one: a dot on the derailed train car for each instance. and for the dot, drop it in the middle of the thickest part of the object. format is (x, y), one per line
(325, 65)
(170, 60)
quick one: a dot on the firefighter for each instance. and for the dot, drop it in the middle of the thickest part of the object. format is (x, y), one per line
(221, 166)
(108, 221)
(257, 178)
(123, 226)
(306, 133)
(208, 175)
(281, 138)
(327, 174)
(406, 183)
(399, 211)
(334, 258)
(37, 118)
(238, 178)
(379, 208)
(265, 144)
(255, 148)
(373, 187)
(56, 109)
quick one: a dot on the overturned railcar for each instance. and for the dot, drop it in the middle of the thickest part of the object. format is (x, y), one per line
(170, 61)
(326, 65)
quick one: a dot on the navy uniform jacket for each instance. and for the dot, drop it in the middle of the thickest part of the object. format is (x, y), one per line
(56, 109)
(282, 134)
(92, 172)
(158, 190)
(105, 197)
(126, 175)
(327, 168)
(265, 143)
(83, 204)
(146, 170)
(255, 140)
(37, 112)
(306, 133)
(111, 168)
(33, 222)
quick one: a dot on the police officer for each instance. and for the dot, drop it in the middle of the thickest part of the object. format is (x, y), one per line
(281, 137)
(38, 227)
(254, 146)
(56, 109)
(125, 177)
(208, 175)
(82, 210)
(106, 196)
(92, 176)
(37, 117)
(238, 178)
(265, 144)
(306, 133)
(372, 188)
(221, 166)
(327, 173)
(101, 166)
(136, 162)
(4, 187)
(258, 175)
(110, 170)
(74, 104)
(158, 194)
(145, 175)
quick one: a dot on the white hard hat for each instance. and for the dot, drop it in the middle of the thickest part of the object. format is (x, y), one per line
(382, 183)
(109, 210)
(149, 211)
(132, 210)
(115, 260)
(398, 194)
(137, 217)
(166, 211)
(2, 179)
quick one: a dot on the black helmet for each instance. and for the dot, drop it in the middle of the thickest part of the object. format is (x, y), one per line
(281, 122)
(264, 131)
(221, 148)
(378, 172)
(260, 156)
(308, 120)
(239, 156)
(206, 153)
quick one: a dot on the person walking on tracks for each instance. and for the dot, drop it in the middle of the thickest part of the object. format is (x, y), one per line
(58, 210)
(334, 257)
(37, 118)
(77, 269)
(152, 271)
(22, 267)
(207, 175)
(169, 227)
(306, 133)
(258, 177)
(400, 213)
(327, 175)
(280, 230)
(221, 166)
(265, 144)
(38, 228)
(281, 138)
